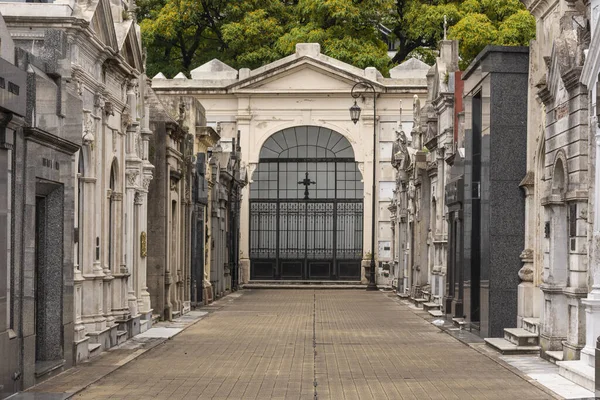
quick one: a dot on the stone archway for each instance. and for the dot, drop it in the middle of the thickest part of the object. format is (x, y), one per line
(306, 207)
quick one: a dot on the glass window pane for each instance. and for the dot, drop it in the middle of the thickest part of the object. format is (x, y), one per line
(302, 152)
(324, 135)
(290, 137)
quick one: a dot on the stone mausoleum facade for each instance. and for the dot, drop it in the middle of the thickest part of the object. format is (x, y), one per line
(306, 213)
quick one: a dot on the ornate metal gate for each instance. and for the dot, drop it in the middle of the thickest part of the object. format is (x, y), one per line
(306, 208)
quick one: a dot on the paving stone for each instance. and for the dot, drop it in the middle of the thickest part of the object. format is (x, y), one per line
(260, 346)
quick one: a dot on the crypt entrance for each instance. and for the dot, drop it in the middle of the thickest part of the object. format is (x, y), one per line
(306, 208)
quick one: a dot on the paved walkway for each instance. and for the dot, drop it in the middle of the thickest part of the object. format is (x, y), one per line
(298, 344)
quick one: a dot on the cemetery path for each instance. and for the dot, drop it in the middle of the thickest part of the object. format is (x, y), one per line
(313, 344)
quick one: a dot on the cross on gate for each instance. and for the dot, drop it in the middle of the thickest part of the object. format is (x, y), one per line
(306, 182)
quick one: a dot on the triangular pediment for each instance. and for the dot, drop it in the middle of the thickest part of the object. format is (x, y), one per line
(129, 48)
(301, 76)
(102, 24)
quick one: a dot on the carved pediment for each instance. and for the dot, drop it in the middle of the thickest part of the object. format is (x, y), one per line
(305, 76)
(102, 24)
(130, 47)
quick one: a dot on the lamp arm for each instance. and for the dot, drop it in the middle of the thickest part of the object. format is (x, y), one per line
(365, 86)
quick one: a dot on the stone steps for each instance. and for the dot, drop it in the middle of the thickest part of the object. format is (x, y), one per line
(430, 306)
(403, 295)
(298, 284)
(554, 356)
(436, 313)
(578, 372)
(94, 350)
(459, 322)
(506, 347)
(121, 337)
(520, 337)
(419, 302)
(532, 325)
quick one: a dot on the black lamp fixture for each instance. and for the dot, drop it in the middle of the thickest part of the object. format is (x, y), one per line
(358, 90)
(355, 112)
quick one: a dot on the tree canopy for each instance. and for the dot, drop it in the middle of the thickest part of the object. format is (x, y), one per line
(474, 23)
(182, 34)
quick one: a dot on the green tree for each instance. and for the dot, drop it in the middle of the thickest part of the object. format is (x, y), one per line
(419, 26)
(181, 34)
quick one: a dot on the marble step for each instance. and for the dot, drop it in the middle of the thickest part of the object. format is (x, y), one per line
(121, 337)
(94, 349)
(311, 285)
(532, 325)
(554, 356)
(436, 313)
(521, 337)
(403, 295)
(459, 322)
(419, 302)
(430, 306)
(578, 372)
(503, 346)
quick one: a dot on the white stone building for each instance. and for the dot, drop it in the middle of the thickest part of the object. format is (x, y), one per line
(111, 302)
(290, 115)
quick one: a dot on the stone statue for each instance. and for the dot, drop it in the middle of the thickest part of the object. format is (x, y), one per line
(400, 156)
(416, 112)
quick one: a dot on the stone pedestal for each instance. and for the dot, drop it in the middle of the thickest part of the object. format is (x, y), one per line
(244, 270)
(592, 323)
(525, 300)
(365, 270)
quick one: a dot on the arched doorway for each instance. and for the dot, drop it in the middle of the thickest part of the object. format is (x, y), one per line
(306, 207)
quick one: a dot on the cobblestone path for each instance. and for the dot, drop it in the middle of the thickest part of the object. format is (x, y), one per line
(277, 344)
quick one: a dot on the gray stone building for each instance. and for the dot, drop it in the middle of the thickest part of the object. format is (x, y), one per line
(178, 197)
(38, 140)
(495, 95)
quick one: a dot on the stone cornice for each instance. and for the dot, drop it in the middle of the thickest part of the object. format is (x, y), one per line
(78, 30)
(571, 78)
(47, 139)
(539, 8)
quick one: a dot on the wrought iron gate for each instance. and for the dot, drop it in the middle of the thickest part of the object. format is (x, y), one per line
(306, 211)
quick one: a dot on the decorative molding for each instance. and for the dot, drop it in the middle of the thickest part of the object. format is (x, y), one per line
(49, 140)
(132, 177)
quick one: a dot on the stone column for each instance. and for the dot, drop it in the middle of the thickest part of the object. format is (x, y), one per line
(108, 278)
(119, 292)
(143, 297)
(130, 249)
(525, 290)
(592, 302)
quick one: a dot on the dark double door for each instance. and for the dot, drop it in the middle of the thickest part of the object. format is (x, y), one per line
(306, 239)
